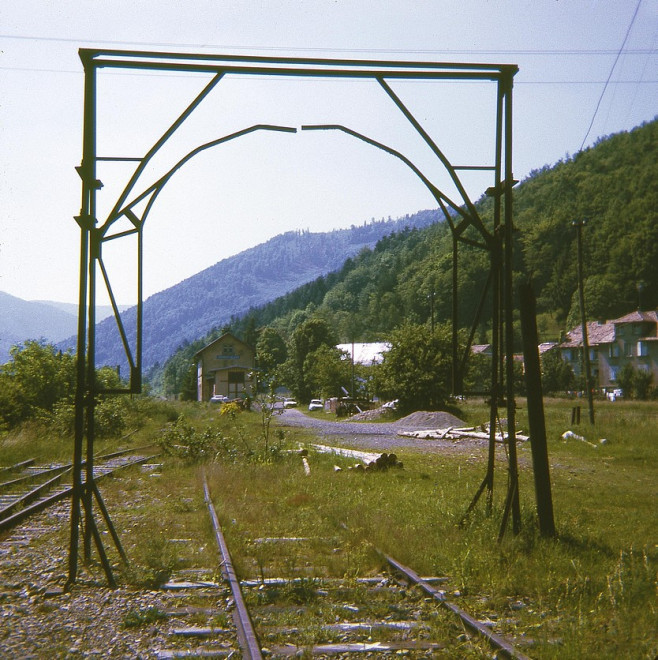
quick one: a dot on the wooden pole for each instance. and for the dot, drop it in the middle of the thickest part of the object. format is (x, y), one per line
(581, 297)
(535, 402)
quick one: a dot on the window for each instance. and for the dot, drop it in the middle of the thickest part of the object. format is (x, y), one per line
(628, 349)
(642, 348)
(228, 349)
(593, 357)
(613, 351)
(613, 373)
(236, 376)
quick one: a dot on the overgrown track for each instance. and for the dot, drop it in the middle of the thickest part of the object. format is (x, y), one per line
(32, 488)
(378, 616)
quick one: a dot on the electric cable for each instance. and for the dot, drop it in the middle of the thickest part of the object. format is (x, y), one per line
(614, 64)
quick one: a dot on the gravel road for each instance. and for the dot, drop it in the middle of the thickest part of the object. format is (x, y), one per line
(381, 436)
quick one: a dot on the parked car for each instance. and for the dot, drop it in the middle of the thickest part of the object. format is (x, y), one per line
(289, 403)
(219, 398)
(617, 393)
(391, 405)
(316, 404)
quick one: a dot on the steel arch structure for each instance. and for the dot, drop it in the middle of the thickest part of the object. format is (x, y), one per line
(133, 206)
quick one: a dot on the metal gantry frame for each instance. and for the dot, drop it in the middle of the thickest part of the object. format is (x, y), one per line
(134, 206)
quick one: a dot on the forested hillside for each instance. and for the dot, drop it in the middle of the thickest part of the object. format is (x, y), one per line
(231, 287)
(408, 274)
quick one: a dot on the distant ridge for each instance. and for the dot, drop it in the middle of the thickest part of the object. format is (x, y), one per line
(234, 285)
(102, 311)
(21, 320)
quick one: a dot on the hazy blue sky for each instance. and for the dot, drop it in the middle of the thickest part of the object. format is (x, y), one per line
(246, 191)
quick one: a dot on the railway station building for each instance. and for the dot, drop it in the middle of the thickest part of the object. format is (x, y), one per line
(225, 368)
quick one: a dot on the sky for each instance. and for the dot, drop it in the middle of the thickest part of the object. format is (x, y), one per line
(587, 68)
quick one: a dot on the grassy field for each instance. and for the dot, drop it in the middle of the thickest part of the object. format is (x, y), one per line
(588, 593)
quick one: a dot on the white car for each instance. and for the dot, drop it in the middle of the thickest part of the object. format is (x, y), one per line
(219, 398)
(615, 394)
(289, 403)
(316, 404)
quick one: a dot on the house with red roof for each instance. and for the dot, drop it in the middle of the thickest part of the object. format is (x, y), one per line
(631, 339)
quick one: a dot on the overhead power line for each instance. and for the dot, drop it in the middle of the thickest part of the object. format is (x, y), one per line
(614, 64)
(263, 77)
(399, 51)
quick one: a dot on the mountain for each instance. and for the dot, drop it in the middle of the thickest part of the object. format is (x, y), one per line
(102, 311)
(233, 286)
(408, 275)
(21, 320)
(52, 321)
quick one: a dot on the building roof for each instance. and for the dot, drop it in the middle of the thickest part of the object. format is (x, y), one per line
(637, 317)
(366, 353)
(481, 349)
(226, 335)
(546, 346)
(597, 333)
(604, 333)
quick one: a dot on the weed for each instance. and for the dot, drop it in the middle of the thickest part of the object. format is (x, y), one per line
(143, 617)
(302, 591)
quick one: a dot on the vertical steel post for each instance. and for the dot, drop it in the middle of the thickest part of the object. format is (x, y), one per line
(508, 286)
(85, 365)
(495, 298)
(86, 221)
(136, 378)
(94, 248)
(456, 376)
(80, 393)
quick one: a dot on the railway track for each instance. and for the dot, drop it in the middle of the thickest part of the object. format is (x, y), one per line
(27, 488)
(295, 607)
(306, 614)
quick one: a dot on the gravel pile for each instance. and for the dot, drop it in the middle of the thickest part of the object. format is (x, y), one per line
(430, 420)
(417, 420)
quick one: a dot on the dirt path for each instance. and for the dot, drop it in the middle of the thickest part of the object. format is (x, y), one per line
(382, 436)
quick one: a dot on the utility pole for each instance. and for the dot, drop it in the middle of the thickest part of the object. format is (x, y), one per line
(431, 297)
(579, 224)
(640, 288)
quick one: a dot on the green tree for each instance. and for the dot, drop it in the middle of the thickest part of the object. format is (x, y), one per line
(417, 368)
(557, 375)
(635, 383)
(478, 374)
(326, 369)
(37, 377)
(306, 338)
(642, 381)
(626, 380)
(271, 352)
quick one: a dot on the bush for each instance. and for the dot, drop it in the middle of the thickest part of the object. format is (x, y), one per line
(183, 440)
(635, 383)
(111, 417)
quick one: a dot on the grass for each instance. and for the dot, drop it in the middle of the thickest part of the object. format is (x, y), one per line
(590, 592)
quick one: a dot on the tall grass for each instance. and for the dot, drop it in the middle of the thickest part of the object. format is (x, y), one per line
(588, 593)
